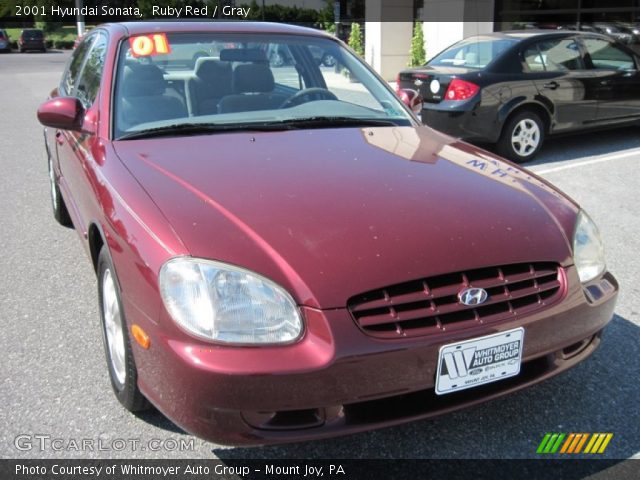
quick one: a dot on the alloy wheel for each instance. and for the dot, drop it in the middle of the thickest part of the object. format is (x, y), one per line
(525, 137)
(113, 327)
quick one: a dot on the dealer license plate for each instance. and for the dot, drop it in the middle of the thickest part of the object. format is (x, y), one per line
(479, 361)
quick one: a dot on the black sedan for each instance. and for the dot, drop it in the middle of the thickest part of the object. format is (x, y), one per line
(513, 89)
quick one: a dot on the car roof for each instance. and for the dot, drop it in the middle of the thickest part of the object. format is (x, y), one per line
(529, 34)
(138, 28)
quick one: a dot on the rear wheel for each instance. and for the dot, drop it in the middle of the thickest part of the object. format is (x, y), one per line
(522, 137)
(117, 345)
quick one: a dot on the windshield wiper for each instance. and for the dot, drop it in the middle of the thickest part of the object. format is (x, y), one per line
(289, 124)
(328, 122)
(197, 129)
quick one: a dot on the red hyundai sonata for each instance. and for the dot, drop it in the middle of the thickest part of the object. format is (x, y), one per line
(282, 251)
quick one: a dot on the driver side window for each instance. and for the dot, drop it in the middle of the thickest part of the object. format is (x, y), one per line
(74, 68)
(607, 56)
(88, 83)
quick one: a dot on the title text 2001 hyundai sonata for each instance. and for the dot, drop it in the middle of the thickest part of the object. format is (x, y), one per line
(284, 253)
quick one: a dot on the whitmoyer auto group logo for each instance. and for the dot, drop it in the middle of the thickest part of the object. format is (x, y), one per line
(472, 361)
(478, 361)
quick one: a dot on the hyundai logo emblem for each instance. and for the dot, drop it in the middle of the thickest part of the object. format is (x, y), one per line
(473, 296)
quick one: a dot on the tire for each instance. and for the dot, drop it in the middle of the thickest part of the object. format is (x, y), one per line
(522, 137)
(60, 212)
(115, 336)
(329, 60)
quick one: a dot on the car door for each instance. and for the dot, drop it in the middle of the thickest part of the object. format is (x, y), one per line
(618, 79)
(82, 81)
(563, 82)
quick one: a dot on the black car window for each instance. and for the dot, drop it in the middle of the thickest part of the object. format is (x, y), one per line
(607, 56)
(473, 52)
(89, 80)
(533, 59)
(32, 34)
(75, 66)
(562, 54)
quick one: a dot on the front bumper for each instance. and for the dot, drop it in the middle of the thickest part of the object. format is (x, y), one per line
(338, 380)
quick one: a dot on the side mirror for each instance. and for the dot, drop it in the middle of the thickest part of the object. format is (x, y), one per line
(412, 99)
(65, 113)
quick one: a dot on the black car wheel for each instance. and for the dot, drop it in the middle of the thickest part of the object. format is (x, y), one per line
(522, 137)
(117, 345)
(60, 212)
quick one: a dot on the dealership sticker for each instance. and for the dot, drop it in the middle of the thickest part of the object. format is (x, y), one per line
(479, 361)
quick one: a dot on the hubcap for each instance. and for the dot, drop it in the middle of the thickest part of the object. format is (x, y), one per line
(113, 326)
(52, 182)
(525, 137)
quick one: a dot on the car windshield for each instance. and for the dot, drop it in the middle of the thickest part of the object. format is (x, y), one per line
(188, 83)
(473, 52)
(33, 33)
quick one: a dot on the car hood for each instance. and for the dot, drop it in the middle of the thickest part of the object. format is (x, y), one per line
(330, 213)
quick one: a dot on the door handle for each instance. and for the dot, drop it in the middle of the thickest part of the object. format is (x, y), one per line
(605, 82)
(59, 137)
(551, 85)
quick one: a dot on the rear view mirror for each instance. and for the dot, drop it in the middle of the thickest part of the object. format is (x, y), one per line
(64, 113)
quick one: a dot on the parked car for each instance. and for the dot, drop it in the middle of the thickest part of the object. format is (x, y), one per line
(280, 56)
(513, 89)
(31, 39)
(616, 31)
(5, 41)
(280, 263)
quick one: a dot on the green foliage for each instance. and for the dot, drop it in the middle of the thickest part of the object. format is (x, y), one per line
(326, 18)
(417, 55)
(355, 39)
(63, 44)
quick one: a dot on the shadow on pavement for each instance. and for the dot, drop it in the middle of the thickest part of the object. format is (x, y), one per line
(587, 144)
(157, 419)
(599, 395)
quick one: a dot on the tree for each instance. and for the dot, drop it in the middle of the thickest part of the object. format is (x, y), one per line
(417, 55)
(326, 18)
(355, 39)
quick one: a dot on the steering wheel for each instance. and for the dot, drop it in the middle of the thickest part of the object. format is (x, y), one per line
(296, 99)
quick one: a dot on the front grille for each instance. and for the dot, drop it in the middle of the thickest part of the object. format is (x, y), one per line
(426, 306)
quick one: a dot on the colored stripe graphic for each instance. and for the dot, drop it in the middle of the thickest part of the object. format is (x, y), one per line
(572, 443)
(567, 443)
(543, 443)
(581, 443)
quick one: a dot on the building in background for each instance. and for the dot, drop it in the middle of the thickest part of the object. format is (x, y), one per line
(389, 23)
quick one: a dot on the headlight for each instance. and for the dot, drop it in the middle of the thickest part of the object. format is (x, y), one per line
(588, 250)
(228, 304)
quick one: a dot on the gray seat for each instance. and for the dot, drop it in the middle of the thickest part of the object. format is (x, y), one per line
(211, 83)
(144, 97)
(253, 86)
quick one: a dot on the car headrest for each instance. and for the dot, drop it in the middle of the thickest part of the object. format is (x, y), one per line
(253, 78)
(254, 55)
(143, 80)
(212, 70)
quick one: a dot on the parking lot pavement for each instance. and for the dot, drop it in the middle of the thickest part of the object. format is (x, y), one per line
(54, 380)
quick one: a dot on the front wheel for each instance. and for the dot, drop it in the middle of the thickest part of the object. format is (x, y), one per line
(522, 137)
(117, 345)
(60, 212)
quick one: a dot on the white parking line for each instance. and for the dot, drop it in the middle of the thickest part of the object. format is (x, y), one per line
(606, 158)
